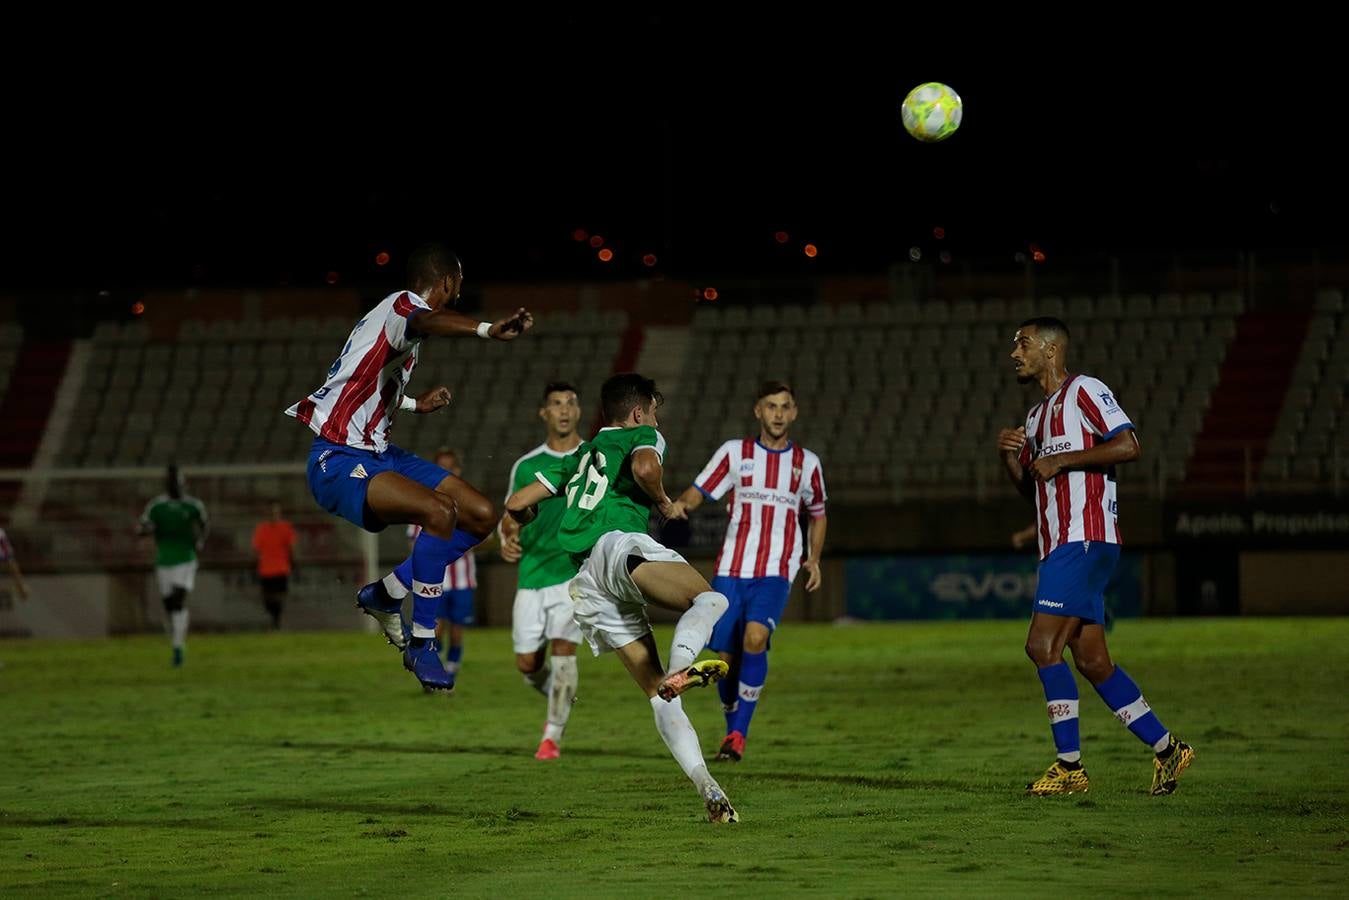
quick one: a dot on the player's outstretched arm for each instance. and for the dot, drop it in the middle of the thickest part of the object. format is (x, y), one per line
(446, 322)
(1010, 442)
(523, 505)
(649, 475)
(691, 499)
(1122, 448)
(818, 526)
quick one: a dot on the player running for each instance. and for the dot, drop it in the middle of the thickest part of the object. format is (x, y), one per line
(771, 480)
(541, 619)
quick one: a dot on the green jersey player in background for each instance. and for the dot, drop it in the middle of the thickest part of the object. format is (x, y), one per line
(541, 618)
(178, 524)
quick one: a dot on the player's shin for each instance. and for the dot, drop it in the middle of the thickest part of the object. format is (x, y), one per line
(677, 732)
(694, 628)
(1061, 700)
(561, 694)
(1126, 701)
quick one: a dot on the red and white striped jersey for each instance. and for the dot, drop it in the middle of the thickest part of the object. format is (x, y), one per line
(460, 575)
(6, 551)
(768, 489)
(356, 404)
(1079, 505)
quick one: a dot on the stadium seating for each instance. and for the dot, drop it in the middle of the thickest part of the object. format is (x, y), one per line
(904, 400)
(1312, 435)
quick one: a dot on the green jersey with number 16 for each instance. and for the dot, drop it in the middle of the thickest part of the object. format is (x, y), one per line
(602, 495)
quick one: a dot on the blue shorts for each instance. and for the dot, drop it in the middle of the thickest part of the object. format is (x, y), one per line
(340, 475)
(1073, 579)
(752, 600)
(456, 606)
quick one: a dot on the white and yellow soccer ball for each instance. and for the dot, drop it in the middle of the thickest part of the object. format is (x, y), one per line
(931, 112)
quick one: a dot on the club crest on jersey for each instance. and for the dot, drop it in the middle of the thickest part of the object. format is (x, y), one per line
(796, 472)
(359, 471)
(1058, 408)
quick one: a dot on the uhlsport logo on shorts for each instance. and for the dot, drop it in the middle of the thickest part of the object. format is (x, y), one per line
(1052, 604)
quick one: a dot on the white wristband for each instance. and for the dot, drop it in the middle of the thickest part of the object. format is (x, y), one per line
(485, 329)
(408, 403)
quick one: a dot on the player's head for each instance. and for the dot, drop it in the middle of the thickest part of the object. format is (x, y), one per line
(436, 274)
(174, 481)
(629, 400)
(560, 408)
(1040, 345)
(276, 510)
(448, 460)
(775, 408)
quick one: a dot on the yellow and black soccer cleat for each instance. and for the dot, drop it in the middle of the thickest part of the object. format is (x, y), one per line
(1166, 772)
(1059, 779)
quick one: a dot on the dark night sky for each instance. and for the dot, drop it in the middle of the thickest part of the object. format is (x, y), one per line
(696, 152)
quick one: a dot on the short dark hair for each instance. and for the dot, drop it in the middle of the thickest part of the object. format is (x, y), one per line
(554, 387)
(429, 263)
(773, 387)
(624, 392)
(1047, 323)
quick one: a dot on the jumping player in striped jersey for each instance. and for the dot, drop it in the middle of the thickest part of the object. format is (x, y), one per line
(1063, 459)
(461, 580)
(771, 480)
(355, 473)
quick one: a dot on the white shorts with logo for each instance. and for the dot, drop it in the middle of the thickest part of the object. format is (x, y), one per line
(609, 608)
(183, 575)
(540, 615)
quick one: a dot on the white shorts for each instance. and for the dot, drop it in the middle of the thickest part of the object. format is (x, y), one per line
(540, 615)
(183, 575)
(609, 608)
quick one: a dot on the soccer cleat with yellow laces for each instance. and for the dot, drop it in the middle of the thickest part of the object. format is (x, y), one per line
(700, 674)
(1166, 772)
(1059, 779)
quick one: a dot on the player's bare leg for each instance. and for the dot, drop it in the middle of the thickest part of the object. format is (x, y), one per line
(678, 586)
(642, 660)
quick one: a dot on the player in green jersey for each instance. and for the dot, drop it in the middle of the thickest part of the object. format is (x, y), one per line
(611, 482)
(542, 616)
(178, 523)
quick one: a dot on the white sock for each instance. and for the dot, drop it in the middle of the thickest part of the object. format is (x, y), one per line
(677, 731)
(395, 587)
(178, 625)
(694, 628)
(539, 680)
(561, 693)
(1162, 744)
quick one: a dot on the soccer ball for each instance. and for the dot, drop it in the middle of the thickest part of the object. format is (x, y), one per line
(931, 112)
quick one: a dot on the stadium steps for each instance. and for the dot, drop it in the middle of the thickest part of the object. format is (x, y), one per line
(1245, 405)
(26, 405)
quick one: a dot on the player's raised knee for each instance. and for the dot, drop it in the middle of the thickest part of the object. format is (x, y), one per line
(440, 514)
